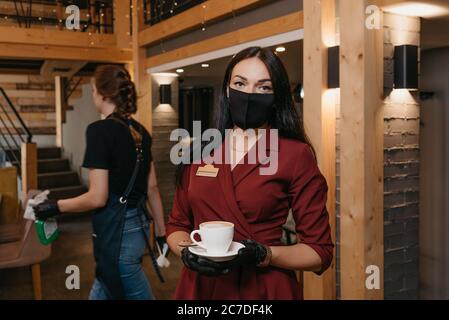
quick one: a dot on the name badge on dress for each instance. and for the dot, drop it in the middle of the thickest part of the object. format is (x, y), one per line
(207, 171)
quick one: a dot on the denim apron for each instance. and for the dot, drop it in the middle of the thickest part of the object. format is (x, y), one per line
(107, 225)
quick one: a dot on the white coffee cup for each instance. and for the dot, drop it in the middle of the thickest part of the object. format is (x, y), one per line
(216, 236)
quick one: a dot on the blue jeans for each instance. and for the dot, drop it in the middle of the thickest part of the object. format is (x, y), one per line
(134, 280)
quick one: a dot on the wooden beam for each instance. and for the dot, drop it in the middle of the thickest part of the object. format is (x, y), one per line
(140, 76)
(194, 17)
(60, 109)
(122, 23)
(56, 38)
(68, 68)
(361, 160)
(15, 51)
(319, 119)
(290, 22)
(29, 167)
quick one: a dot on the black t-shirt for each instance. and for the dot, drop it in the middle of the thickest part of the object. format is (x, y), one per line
(109, 145)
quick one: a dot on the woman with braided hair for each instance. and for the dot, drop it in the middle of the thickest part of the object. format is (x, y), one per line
(122, 186)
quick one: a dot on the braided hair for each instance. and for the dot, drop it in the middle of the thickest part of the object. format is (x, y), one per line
(114, 83)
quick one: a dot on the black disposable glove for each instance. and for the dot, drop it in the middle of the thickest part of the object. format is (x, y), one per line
(161, 241)
(46, 209)
(202, 265)
(251, 255)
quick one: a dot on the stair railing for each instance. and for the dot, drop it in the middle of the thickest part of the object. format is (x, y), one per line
(13, 130)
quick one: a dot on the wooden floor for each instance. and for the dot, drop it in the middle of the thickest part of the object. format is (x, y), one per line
(74, 248)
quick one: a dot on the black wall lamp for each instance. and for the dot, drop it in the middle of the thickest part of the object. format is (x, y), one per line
(333, 67)
(165, 94)
(406, 67)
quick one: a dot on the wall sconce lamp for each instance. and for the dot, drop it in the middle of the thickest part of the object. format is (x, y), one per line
(333, 67)
(165, 94)
(406, 67)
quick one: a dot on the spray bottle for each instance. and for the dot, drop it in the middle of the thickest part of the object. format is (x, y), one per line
(47, 230)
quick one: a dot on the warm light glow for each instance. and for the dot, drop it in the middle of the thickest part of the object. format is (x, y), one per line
(400, 96)
(205, 65)
(280, 49)
(164, 77)
(164, 108)
(330, 40)
(331, 96)
(165, 74)
(179, 70)
(417, 9)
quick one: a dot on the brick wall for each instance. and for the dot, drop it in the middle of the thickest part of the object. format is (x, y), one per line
(337, 200)
(34, 98)
(165, 119)
(401, 169)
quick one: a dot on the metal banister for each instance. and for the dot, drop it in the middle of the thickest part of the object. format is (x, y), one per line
(19, 118)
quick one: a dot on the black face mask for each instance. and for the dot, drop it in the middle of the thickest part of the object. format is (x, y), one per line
(250, 110)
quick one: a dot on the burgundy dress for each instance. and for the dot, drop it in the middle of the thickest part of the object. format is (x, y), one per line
(258, 205)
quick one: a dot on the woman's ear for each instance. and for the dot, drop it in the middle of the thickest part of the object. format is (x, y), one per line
(227, 92)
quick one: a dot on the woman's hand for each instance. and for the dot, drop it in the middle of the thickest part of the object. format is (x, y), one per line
(253, 254)
(161, 240)
(202, 265)
(47, 209)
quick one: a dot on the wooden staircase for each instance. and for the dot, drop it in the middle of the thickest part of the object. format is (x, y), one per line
(55, 174)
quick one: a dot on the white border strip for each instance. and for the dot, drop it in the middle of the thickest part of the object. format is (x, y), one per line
(265, 42)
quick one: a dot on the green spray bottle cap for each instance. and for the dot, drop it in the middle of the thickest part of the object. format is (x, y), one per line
(47, 230)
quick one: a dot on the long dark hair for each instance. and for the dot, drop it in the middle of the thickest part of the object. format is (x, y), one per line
(285, 118)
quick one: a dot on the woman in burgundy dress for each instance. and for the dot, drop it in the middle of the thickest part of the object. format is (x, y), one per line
(255, 95)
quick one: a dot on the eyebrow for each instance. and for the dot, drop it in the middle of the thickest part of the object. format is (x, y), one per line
(259, 81)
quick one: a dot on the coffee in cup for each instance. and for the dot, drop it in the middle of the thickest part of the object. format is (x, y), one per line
(216, 236)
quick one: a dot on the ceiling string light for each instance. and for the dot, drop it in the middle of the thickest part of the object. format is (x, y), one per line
(203, 23)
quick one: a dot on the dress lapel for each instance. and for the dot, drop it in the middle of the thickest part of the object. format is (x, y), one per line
(227, 186)
(230, 179)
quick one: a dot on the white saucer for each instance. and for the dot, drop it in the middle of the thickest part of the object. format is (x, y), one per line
(231, 254)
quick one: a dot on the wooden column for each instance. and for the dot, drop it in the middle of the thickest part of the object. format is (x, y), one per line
(361, 79)
(319, 118)
(141, 78)
(122, 23)
(60, 108)
(29, 167)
